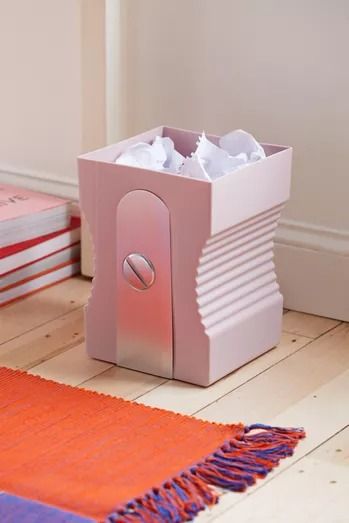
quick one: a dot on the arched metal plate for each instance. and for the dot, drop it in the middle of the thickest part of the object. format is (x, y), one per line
(144, 334)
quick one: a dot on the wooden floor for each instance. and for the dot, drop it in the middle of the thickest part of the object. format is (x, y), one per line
(303, 382)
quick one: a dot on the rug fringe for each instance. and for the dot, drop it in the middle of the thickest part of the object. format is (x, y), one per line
(236, 465)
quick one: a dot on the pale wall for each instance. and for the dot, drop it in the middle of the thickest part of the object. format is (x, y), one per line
(277, 68)
(52, 83)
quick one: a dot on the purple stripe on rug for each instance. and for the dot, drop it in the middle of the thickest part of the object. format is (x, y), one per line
(14, 509)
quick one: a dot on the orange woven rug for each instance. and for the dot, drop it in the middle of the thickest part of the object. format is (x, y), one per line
(69, 454)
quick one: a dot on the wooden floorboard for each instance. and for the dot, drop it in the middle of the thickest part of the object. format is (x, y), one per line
(188, 399)
(307, 324)
(40, 308)
(124, 383)
(43, 342)
(71, 367)
(309, 389)
(286, 383)
(302, 382)
(316, 413)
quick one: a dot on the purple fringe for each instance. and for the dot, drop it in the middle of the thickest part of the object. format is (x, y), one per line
(236, 465)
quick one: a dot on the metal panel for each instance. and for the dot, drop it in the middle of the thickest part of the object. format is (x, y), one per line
(144, 339)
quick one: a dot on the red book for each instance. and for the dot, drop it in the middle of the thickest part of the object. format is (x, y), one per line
(24, 253)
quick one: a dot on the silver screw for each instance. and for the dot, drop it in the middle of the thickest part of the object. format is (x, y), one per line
(138, 271)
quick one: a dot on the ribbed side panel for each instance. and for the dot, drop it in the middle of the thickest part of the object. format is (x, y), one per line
(236, 269)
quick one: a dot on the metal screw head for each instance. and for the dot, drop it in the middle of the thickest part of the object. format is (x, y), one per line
(138, 271)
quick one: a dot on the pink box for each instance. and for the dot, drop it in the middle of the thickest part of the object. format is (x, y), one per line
(200, 297)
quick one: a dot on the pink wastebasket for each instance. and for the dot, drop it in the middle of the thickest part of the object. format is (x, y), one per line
(184, 284)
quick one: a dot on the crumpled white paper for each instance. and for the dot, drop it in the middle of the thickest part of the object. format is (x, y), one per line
(239, 141)
(160, 155)
(217, 161)
(144, 155)
(194, 167)
(207, 162)
(174, 159)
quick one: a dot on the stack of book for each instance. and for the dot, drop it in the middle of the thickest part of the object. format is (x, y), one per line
(39, 242)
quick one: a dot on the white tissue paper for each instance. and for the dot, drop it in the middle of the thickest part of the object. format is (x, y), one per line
(207, 162)
(239, 141)
(174, 159)
(160, 155)
(143, 155)
(217, 161)
(194, 167)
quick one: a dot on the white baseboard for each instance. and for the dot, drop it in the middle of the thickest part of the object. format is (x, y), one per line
(314, 237)
(40, 181)
(313, 269)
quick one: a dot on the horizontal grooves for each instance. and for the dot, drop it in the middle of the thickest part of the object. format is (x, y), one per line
(226, 321)
(250, 299)
(236, 270)
(214, 289)
(207, 260)
(262, 218)
(226, 261)
(241, 280)
(225, 272)
(215, 308)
